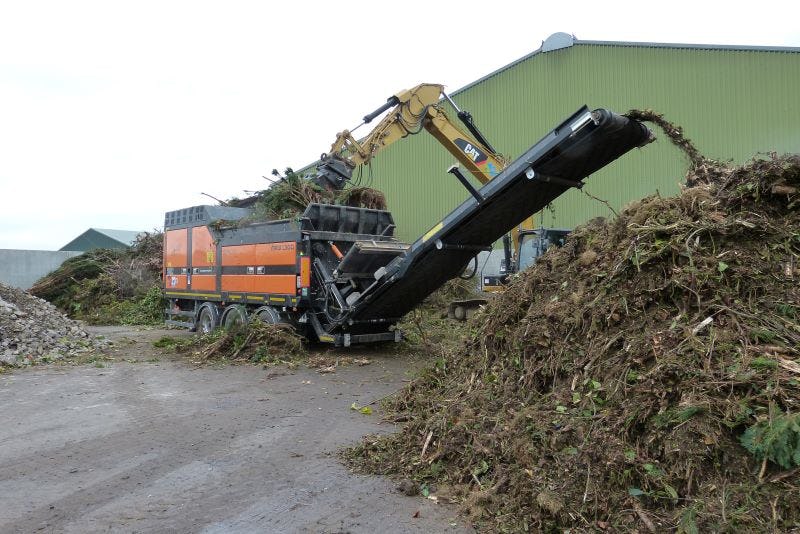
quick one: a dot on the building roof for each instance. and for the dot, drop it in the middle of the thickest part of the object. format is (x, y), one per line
(561, 40)
(102, 238)
(123, 236)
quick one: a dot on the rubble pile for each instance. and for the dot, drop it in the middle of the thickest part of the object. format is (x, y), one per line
(32, 330)
(645, 377)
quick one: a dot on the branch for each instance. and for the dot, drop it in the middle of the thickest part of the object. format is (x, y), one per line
(588, 194)
(215, 198)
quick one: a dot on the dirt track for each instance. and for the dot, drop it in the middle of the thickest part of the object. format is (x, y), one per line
(151, 443)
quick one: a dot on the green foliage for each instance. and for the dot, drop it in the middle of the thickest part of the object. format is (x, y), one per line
(145, 309)
(763, 335)
(787, 310)
(676, 416)
(88, 294)
(262, 354)
(364, 410)
(286, 198)
(60, 286)
(688, 523)
(167, 342)
(290, 196)
(777, 439)
(764, 363)
(148, 308)
(106, 286)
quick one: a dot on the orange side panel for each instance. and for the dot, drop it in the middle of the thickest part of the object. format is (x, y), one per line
(305, 271)
(239, 255)
(175, 281)
(175, 251)
(277, 283)
(283, 253)
(237, 282)
(206, 282)
(252, 283)
(203, 248)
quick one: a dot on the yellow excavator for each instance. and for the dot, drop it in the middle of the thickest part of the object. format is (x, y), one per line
(412, 111)
(415, 109)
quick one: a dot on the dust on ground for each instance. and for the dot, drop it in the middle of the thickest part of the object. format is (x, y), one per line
(143, 440)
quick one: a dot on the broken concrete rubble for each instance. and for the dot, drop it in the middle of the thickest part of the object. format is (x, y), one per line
(32, 330)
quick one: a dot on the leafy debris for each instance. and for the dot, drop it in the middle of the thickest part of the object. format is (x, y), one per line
(613, 385)
(105, 286)
(289, 197)
(257, 342)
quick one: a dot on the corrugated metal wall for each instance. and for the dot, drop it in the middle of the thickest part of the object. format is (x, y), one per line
(732, 103)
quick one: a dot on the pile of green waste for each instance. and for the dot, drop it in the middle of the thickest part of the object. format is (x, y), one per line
(289, 197)
(103, 286)
(256, 342)
(645, 377)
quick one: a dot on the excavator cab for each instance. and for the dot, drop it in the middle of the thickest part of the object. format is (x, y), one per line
(534, 243)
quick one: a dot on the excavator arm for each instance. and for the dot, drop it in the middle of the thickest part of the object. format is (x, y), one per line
(412, 111)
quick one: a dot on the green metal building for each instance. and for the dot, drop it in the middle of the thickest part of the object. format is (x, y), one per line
(732, 101)
(95, 238)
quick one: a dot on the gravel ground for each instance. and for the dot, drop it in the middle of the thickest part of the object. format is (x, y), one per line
(149, 442)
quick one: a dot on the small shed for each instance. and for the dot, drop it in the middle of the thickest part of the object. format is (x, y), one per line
(102, 238)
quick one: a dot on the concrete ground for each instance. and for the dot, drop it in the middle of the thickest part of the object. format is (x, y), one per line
(153, 443)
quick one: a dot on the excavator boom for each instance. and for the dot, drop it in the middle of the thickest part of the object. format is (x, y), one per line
(412, 111)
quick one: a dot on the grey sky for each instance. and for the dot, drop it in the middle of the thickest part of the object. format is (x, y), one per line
(112, 113)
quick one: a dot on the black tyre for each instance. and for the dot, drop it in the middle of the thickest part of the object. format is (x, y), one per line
(234, 317)
(206, 321)
(269, 315)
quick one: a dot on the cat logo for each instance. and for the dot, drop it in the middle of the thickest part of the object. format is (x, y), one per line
(471, 151)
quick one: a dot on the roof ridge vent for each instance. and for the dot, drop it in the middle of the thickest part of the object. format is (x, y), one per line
(558, 40)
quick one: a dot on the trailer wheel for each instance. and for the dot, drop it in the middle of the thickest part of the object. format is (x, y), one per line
(268, 314)
(234, 317)
(206, 320)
